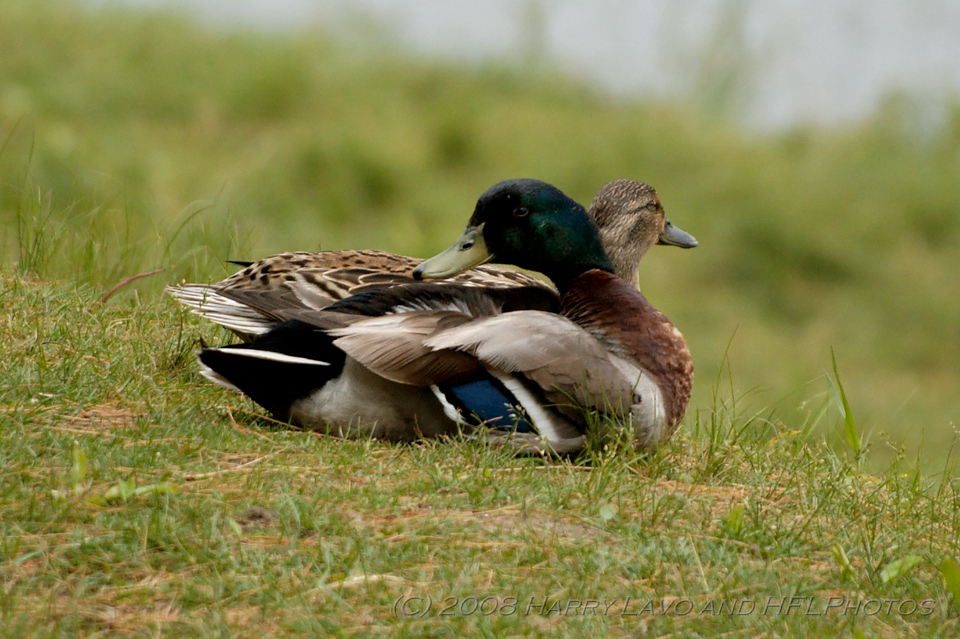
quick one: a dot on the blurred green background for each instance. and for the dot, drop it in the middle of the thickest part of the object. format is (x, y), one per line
(131, 141)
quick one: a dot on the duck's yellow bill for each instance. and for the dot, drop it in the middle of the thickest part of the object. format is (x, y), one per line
(468, 251)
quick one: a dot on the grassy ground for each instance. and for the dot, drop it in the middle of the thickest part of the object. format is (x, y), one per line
(139, 501)
(131, 142)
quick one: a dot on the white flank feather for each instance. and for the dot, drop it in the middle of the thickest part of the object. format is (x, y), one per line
(542, 420)
(448, 409)
(270, 356)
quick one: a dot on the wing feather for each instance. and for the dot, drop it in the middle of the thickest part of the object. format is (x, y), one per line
(394, 347)
(563, 359)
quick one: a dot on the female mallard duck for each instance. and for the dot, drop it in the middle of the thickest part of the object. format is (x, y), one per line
(627, 213)
(427, 359)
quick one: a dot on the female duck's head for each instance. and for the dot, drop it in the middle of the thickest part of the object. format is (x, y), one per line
(526, 223)
(630, 220)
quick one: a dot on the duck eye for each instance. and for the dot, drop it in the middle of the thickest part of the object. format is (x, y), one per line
(521, 211)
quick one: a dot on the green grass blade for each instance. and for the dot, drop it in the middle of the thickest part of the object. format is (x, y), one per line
(841, 556)
(951, 576)
(735, 521)
(849, 425)
(78, 469)
(899, 567)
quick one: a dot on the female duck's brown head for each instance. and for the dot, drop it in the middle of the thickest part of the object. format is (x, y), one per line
(630, 220)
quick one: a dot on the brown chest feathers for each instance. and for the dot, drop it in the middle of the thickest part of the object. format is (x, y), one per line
(622, 318)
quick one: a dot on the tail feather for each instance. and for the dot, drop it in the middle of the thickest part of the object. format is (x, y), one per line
(268, 371)
(204, 300)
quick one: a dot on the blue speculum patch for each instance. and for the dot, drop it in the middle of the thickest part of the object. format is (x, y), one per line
(490, 402)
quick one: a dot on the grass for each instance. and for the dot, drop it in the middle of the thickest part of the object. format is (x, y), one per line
(131, 142)
(138, 500)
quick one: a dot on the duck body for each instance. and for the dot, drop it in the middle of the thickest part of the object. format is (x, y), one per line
(367, 367)
(520, 362)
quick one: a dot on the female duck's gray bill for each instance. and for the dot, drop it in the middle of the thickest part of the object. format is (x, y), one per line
(468, 251)
(676, 237)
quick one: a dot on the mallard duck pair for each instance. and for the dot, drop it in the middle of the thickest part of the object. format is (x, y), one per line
(351, 343)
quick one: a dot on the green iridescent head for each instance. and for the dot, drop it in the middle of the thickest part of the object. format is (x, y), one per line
(526, 223)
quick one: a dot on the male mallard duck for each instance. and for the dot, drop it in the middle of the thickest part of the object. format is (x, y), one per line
(426, 359)
(626, 212)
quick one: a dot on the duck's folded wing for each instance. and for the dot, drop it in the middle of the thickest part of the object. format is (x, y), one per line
(565, 361)
(250, 312)
(394, 347)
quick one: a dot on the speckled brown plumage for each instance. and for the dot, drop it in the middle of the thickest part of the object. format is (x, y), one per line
(343, 273)
(622, 318)
(265, 293)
